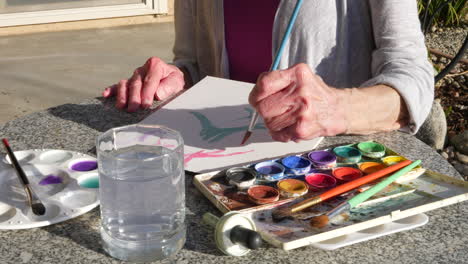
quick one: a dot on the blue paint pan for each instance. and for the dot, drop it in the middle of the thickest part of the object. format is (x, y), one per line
(270, 170)
(296, 164)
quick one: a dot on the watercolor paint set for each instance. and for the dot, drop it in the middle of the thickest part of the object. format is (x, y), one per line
(257, 190)
(66, 182)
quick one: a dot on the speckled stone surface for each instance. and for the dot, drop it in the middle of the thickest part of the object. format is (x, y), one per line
(75, 127)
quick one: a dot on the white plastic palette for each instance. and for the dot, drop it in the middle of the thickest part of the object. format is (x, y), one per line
(66, 182)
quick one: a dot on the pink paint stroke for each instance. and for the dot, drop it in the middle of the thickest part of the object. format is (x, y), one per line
(213, 154)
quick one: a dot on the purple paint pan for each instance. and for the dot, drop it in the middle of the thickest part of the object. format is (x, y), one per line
(322, 159)
(84, 165)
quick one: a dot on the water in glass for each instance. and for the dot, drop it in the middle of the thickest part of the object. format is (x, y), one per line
(142, 202)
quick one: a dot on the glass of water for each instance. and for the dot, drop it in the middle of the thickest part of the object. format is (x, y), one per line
(142, 192)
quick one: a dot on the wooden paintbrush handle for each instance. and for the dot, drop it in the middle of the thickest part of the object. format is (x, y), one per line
(347, 186)
(306, 203)
(363, 180)
(15, 163)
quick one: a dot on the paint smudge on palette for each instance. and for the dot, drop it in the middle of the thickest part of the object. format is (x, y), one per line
(238, 200)
(369, 211)
(216, 188)
(51, 179)
(229, 196)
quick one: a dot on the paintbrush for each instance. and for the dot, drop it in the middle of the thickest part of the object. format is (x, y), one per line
(37, 207)
(282, 213)
(275, 64)
(322, 220)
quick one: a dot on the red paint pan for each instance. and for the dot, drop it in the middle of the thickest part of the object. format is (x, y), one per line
(345, 174)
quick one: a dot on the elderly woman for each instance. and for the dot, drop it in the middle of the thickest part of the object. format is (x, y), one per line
(350, 67)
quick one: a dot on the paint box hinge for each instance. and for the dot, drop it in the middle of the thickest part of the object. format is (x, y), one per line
(395, 214)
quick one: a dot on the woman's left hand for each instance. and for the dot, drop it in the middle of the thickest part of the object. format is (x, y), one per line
(297, 105)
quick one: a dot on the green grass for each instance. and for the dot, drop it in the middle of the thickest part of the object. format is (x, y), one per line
(451, 15)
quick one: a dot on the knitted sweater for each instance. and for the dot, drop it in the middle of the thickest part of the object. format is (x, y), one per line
(349, 43)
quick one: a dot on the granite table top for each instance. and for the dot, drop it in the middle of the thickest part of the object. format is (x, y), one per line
(76, 126)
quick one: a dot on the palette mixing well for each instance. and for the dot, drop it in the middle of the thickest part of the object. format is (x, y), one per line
(66, 182)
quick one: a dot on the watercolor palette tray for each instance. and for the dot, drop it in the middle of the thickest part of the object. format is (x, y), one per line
(398, 207)
(66, 182)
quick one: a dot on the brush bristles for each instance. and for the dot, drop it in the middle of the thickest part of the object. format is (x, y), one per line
(281, 214)
(38, 209)
(319, 221)
(246, 137)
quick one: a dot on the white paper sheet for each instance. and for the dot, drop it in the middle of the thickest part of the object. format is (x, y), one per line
(212, 117)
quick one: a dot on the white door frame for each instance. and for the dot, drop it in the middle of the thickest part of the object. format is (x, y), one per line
(73, 14)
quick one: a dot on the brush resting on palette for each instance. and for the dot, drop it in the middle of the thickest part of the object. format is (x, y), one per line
(36, 205)
(323, 220)
(283, 213)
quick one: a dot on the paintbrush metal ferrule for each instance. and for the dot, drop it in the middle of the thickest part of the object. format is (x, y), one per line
(252, 123)
(36, 206)
(306, 203)
(29, 193)
(344, 206)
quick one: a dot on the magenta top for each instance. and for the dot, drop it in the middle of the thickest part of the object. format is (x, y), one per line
(248, 35)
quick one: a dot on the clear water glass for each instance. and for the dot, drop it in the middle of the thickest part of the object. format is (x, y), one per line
(142, 192)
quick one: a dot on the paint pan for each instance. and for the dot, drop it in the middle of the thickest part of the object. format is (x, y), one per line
(290, 188)
(348, 155)
(261, 194)
(89, 181)
(322, 159)
(242, 178)
(320, 181)
(270, 170)
(84, 165)
(296, 164)
(371, 167)
(345, 174)
(372, 149)
(390, 160)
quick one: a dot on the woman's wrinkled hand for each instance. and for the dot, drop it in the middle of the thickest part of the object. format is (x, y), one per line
(154, 80)
(297, 105)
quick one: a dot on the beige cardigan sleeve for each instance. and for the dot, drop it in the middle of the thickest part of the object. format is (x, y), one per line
(400, 58)
(185, 44)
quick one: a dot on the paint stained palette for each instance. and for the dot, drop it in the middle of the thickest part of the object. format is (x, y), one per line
(398, 207)
(66, 182)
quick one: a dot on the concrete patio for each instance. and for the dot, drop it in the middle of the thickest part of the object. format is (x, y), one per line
(42, 70)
